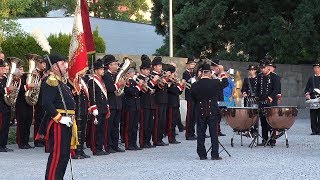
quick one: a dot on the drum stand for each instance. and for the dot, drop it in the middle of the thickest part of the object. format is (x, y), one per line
(223, 149)
(274, 137)
(255, 140)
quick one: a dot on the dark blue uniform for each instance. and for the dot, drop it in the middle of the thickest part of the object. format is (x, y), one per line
(268, 86)
(314, 82)
(205, 94)
(249, 87)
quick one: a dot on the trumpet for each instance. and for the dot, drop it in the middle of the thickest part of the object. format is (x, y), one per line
(145, 86)
(177, 80)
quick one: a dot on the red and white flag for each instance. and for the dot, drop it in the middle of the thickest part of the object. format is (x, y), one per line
(81, 44)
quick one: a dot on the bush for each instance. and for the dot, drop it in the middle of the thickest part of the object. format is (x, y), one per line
(19, 45)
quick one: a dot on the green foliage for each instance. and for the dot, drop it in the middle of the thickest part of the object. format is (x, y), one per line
(10, 8)
(242, 30)
(22, 44)
(110, 9)
(36, 9)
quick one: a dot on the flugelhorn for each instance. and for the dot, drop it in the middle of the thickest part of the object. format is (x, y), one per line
(32, 94)
(11, 97)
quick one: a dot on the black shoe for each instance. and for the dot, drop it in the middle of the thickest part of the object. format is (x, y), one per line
(29, 146)
(192, 138)
(38, 144)
(221, 134)
(174, 142)
(101, 153)
(78, 156)
(313, 133)
(203, 158)
(137, 148)
(146, 146)
(161, 144)
(111, 150)
(151, 146)
(8, 150)
(3, 149)
(216, 158)
(207, 136)
(182, 128)
(84, 154)
(23, 147)
(119, 150)
(131, 148)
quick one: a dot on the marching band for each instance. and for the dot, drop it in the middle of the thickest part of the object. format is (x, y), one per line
(115, 102)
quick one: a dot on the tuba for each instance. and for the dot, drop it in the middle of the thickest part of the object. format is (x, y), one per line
(127, 64)
(32, 94)
(11, 98)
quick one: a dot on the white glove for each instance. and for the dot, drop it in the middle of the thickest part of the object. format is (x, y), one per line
(193, 80)
(95, 122)
(66, 120)
(95, 112)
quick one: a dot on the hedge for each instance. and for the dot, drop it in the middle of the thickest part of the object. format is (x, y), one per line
(20, 45)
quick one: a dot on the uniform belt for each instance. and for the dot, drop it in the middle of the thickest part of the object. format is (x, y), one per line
(70, 112)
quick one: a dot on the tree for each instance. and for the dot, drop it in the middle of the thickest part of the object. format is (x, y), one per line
(242, 30)
(111, 9)
(37, 8)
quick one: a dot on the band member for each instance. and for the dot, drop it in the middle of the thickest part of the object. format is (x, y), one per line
(115, 102)
(189, 76)
(217, 75)
(132, 103)
(24, 113)
(173, 114)
(82, 101)
(4, 111)
(147, 103)
(205, 93)
(56, 97)
(314, 83)
(161, 100)
(38, 111)
(100, 110)
(249, 86)
(273, 68)
(267, 90)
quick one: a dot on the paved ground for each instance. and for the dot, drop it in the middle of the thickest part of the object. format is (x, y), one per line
(299, 161)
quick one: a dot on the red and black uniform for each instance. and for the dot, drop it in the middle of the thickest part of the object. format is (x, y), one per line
(161, 101)
(147, 113)
(24, 116)
(173, 113)
(4, 116)
(132, 103)
(82, 105)
(99, 100)
(58, 135)
(190, 119)
(115, 103)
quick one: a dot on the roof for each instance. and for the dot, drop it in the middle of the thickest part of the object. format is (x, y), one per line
(120, 37)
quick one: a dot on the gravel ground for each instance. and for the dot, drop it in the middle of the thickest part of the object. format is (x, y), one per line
(299, 161)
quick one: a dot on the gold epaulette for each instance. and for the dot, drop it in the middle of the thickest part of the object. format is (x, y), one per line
(52, 81)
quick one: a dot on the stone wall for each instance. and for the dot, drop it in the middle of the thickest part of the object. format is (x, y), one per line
(293, 77)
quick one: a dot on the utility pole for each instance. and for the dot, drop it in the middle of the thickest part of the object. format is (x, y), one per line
(170, 30)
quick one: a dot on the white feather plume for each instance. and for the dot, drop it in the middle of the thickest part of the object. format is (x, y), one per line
(42, 41)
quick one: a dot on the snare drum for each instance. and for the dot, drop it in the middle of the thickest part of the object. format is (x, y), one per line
(313, 103)
(281, 117)
(241, 118)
